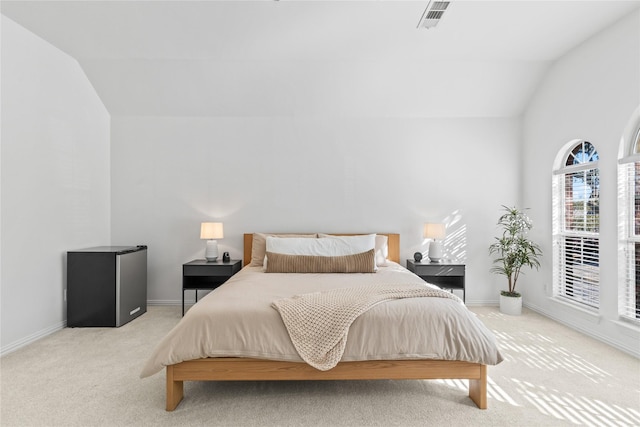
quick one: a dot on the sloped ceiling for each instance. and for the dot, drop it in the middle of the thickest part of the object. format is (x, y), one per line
(315, 58)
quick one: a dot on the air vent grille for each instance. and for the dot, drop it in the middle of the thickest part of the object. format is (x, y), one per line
(433, 14)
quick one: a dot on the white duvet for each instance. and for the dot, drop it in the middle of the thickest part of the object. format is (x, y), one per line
(238, 320)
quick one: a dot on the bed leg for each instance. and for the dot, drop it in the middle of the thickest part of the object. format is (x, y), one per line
(478, 389)
(175, 390)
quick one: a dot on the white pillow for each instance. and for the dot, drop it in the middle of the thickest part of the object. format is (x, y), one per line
(329, 246)
(381, 247)
(382, 250)
(259, 245)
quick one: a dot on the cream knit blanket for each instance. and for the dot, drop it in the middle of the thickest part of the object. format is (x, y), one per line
(318, 323)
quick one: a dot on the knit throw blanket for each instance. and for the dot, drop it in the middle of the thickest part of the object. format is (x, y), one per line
(318, 323)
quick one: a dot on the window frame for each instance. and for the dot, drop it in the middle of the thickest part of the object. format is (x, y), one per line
(576, 282)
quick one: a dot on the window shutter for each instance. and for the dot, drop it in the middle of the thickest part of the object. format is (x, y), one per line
(629, 238)
(580, 272)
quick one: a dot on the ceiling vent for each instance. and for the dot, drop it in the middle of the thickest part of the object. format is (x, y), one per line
(433, 14)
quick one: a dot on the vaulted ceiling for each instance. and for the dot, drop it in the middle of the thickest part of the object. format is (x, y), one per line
(315, 58)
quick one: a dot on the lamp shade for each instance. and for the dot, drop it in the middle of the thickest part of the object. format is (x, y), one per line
(211, 230)
(434, 231)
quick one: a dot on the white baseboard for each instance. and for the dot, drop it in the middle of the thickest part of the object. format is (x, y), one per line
(32, 338)
(491, 303)
(188, 300)
(168, 302)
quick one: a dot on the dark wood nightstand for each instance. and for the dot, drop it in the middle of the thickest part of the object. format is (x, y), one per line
(443, 274)
(200, 274)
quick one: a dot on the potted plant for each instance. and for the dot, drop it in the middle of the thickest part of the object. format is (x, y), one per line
(514, 251)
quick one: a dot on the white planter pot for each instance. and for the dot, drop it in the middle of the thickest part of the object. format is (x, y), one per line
(511, 305)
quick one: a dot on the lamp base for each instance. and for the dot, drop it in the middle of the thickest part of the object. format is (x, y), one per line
(435, 251)
(211, 253)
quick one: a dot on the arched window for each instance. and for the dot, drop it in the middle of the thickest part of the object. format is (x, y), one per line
(629, 221)
(576, 224)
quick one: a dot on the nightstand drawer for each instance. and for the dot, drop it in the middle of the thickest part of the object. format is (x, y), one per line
(440, 270)
(208, 270)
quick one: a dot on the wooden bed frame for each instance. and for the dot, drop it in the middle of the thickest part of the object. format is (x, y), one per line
(245, 369)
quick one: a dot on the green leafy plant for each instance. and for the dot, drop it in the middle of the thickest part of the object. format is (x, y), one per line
(513, 248)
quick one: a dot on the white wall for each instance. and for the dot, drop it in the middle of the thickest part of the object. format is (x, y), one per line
(318, 172)
(326, 174)
(55, 180)
(590, 94)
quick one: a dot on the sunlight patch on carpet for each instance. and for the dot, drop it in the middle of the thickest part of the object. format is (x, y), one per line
(576, 409)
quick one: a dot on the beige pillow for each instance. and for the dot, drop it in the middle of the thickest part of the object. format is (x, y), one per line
(259, 246)
(358, 263)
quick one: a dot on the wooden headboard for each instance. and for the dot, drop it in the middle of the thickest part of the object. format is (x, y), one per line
(393, 243)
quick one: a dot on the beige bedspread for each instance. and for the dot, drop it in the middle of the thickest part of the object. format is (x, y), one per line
(238, 320)
(318, 323)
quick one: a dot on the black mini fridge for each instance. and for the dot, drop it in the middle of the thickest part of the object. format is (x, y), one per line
(106, 285)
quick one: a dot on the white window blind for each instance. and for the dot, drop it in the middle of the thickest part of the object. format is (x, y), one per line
(576, 225)
(629, 238)
(580, 273)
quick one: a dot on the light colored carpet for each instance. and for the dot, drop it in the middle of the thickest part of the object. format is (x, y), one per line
(552, 375)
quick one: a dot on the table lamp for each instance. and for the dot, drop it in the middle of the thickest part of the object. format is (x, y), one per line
(437, 233)
(211, 231)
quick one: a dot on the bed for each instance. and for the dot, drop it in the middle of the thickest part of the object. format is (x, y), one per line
(260, 363)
